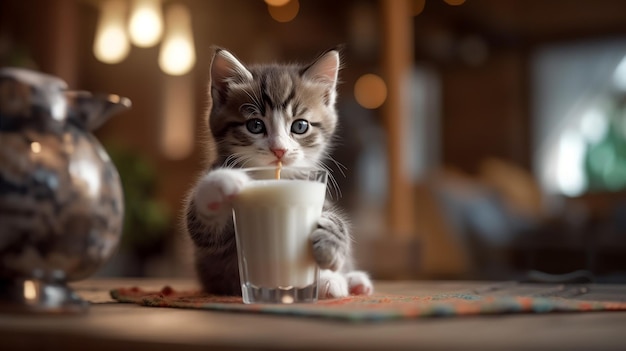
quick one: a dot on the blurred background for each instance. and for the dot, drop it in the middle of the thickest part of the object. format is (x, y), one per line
(479, 139)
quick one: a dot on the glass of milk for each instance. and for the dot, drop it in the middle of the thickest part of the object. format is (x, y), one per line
(273, 221)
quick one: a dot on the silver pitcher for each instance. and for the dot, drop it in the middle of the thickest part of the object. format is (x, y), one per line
(61, 200)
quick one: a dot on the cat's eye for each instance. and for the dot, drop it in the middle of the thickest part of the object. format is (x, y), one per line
(300, 126)
(255, 126)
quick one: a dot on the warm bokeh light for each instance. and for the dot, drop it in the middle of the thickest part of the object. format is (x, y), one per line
(370, 91)
(177, 55)
(418, 7)
(30, 290)
(454, 2)
(35, 147)
(146, 23)
(178, 122)
(286, 12)
(277, 2)
(111, 44)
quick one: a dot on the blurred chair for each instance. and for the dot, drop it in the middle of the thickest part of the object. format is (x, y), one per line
(470, 225)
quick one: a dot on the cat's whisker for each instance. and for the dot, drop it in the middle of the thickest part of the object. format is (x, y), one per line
(336, 186)
(236, 159)
(245, 163)
(339, 165)
(242, 161)
(332, 182)
(228, 163)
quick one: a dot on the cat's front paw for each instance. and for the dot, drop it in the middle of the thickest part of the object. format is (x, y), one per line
(216, 190)
(332, 285)
(330, 244)
(336, 285)
(359, 283)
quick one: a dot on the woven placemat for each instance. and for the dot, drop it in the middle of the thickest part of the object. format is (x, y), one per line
(378, 307)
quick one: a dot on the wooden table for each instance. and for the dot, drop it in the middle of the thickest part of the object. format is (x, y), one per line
(113, 326)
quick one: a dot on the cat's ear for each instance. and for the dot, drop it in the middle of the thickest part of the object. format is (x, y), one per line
(325, 70)
(226, 69)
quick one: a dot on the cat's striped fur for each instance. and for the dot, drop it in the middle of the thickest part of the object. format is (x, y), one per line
(259, 115)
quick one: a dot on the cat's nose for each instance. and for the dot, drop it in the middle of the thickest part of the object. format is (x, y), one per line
(279, 152)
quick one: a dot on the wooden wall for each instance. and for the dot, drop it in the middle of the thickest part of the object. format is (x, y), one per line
(485, 108)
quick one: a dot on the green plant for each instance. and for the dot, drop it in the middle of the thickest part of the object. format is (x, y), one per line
(146, 219)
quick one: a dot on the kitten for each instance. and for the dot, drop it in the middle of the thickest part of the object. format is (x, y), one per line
(260, 115)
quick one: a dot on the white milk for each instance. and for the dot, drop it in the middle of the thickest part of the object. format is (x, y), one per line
(274, 219)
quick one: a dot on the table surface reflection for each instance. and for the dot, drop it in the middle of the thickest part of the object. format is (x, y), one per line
(113, 326)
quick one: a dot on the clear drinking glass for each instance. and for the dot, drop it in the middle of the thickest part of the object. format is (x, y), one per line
(273, 220)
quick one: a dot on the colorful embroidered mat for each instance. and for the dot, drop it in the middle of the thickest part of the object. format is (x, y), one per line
(379, 307)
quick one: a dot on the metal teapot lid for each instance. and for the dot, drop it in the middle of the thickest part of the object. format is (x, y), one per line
(23, 90)
(30, 96)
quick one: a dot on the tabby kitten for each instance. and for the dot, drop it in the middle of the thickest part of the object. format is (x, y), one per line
(260, 115)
